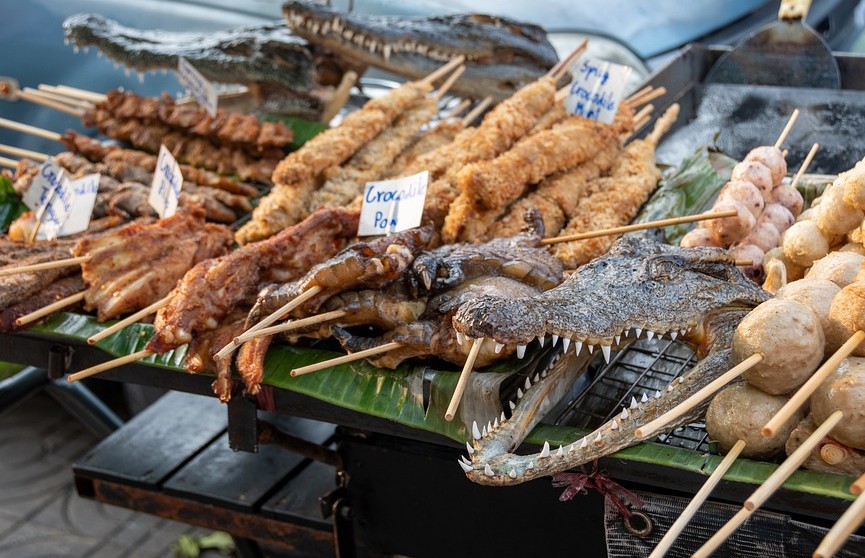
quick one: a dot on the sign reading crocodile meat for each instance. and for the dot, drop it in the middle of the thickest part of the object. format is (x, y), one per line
(197, 85)
(391, 206)
(166, 185)
(84, 191)
(50, 198)
(597, 89)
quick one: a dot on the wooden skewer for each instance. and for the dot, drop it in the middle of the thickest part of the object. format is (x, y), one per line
(444, 70)
(477, 111)
(647, 430)
(448, 83)
(771, 484)
(562, 93)
(294, 324)
(804, 392)
(340, 96)
(18, 152)
(77, 93)
(846, 525)
(630, 100)
(40, 213)
(93, 370)
(805, 163)
(7, 162)
(463, 105)
(129, 320)
(36, 99)
(744, 263)
(32, 130)
(640, 226)
(562, 66)
(286, 308)
(787, 129)
(644, 112)
(641, 123)
(701, 496)
(50, 309)
(785, 153)
(636, 101)
(464, 379)
(44, 265)
(858, 486)
(360, 355)
(59, 98)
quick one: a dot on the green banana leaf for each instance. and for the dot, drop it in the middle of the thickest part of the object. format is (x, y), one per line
(9, 369)
(303, 130)
(11, 205)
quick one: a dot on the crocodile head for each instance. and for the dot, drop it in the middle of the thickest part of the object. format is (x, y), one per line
(283, 73)
(640, 288)
(502, 54)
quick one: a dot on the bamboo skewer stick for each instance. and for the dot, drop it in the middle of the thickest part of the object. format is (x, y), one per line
(455, 111)
(804, 392)
(286, 308)
(858, 486)
(647, 430)
(340, 96)
(846, 525)
(477, 111)
(640, 226)
(291, 325)
(93, 370)
(38, 100)
(18, 152)
(688, 513)
(448, 83)
(634, 101)
(775, 480)
(82, 94)
(444, 70)
(27, 129)
(59, 98)
(805, 163)
(50, 309)
(636, 95)
(787, 129)
(561, 67)
(644, 113)
(464, 379)
(360, 355)
(129, 320)
(44, 265)
(7, 162)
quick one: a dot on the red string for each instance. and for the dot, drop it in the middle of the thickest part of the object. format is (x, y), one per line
(575, 483)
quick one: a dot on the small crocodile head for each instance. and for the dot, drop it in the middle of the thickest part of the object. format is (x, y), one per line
(502, 55)
(639, 286)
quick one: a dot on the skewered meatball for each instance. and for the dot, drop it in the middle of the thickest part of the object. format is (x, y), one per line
(839, 267)
(772, 158)
(745, 193)
(789, 336)
(698, 237)
(756, 173)
(777, 215)
(846, 317)
(728, 230)
(816, 294)
(834, 215)
(739, 411)
(752, 253)
(764, 235)
(844, 390)
(804, 243)
(854, 187)
(794, 270)
(789, 197)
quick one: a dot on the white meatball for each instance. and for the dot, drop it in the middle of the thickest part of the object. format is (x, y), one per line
(751, 253)
(816, 294)
(698, 237)
(789, 197)
(834, 215)
(728, 230)
(854, 188)
(745, 193)
(839, 267)
(772, 158)
(764, 235)
(844, 390)
(756, 173)
(804, 243)
(778, 215)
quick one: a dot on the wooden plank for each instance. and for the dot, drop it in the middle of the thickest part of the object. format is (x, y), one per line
(241, 480)
(157, 441)
(297, 501)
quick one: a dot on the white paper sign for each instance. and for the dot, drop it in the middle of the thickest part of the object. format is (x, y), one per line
(83, 198)
(50, 198)
(597, 89)
(166, 185)
(391, 206)
(197, 85)
(43, 184)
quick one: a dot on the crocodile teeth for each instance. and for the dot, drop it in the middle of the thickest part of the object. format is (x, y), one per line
(638, 331)
(531, 464)
(496, 424)
(606, 350)
(536, 379)
(681, 380)
(464, 467)
(573, 448)
(484, 432)
(488, 471)
(75, 49)
(489, 427)
(650, 334)
(542, 339)
(512, 473)
(315, 28)
(521, 351)
(503, 417)
(591, 349)
(140, 77)
(325, 28)
(598, 439)
(512, 405)
(386, 51)
(633, 402)
(657, 394)
(348, 34)
(618, 339)
(499, 347)
(670, 387)
(578, 347)
(528, 384)
(545, 451)
(465, 460)
(624, 414)
(127, 72)
(460, 338)
(519, 393)
(555, 339)
(585, 443)
(615, 425)
(566, 343)
(674, 334)
(626, 332)
(644, 398)
(561, 452)
(476, 434)
(470, 448)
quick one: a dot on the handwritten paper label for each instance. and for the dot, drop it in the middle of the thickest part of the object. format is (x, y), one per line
(84, 191)
(50, 198)
(167, 182)
(391, 206)
(597, 89)
(43, 184)
(197, 85)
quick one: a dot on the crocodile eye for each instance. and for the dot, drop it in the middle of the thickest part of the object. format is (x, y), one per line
(663, 269)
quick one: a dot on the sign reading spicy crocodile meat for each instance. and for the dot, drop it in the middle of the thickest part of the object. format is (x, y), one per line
(166, 185)
(197, 85)
(597, 89)
(391, 206)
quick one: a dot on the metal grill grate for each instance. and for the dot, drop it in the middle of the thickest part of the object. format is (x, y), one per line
(642, 368)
